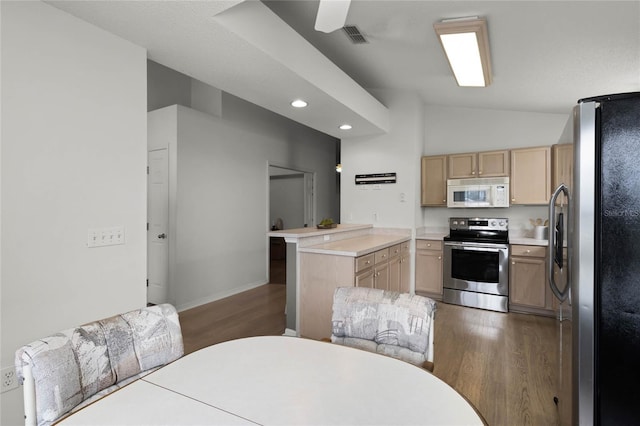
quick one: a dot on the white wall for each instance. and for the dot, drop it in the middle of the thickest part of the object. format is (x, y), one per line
(73, 158)
(393, 205)
(218, 243)
(456, 130)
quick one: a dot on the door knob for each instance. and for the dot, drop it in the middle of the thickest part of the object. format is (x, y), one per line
(162, 236)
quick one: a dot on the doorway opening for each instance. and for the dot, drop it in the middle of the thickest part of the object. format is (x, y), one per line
(291, 206)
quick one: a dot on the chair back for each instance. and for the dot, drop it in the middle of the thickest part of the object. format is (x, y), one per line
(399, 325)
(67, 370)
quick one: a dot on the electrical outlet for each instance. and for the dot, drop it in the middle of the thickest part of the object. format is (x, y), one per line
(9, 379)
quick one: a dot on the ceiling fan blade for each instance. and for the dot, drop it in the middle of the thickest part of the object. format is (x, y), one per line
(332, 14)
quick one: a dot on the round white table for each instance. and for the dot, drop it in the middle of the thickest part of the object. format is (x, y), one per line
(277, 380)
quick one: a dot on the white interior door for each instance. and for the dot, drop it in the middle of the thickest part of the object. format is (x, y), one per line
(158, 220)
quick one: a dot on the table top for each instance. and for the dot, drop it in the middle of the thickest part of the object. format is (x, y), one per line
(283, 380)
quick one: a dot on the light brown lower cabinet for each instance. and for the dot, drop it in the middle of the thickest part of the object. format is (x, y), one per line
(399, 268)
(321, 274)
(429, 268)
(528, 283)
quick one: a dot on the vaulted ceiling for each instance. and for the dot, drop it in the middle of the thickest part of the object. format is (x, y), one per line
(545, 54)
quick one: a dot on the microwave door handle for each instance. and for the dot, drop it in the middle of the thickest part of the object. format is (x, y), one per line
(553, 244)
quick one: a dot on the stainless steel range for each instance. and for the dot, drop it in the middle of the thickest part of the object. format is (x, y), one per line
(476, 263)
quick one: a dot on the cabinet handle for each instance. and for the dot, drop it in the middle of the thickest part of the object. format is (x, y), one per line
(480, 172)
(444, 201)
(513, 263)
(528, 251)
(439, 257)
(428, 245)
(513, 199)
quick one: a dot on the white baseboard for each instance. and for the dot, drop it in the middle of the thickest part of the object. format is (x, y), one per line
(290, 332)
(217, 296)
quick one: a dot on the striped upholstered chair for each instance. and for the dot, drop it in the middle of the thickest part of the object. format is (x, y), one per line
(399, 325)
(68, 370)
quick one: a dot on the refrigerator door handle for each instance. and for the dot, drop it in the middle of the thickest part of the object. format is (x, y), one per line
(561, 295)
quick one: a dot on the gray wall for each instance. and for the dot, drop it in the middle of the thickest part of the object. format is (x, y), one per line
(220, 156)
(73, 157)
(286, 200)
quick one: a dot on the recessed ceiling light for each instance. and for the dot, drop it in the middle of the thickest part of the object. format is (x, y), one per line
(299, 103)
(346, 127)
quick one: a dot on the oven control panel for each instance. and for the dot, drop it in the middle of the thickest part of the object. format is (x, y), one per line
(478, 223)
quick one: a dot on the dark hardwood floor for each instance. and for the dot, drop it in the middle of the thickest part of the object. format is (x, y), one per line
(504, 364)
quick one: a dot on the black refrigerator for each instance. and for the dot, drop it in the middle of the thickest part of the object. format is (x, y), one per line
(594, 265)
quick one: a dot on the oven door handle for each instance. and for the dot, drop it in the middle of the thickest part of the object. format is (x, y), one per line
(462, 246)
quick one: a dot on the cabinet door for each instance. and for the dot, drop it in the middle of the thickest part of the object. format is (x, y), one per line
(530, 175)
(429, 271)
(462, 165)
(527, 279)
(493, 163)
(434, 181)
(381, 276)
(365, 279)
(395, 273)
(562, 157)
(405, 268)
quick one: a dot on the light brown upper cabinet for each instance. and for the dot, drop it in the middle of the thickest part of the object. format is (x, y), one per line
(434, 181)
(562, 157)
(530, 175)
(479, 164)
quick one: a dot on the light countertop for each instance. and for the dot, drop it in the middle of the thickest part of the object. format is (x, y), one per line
(432, 236)
(312, 231)
(528, 241)
(357, 246)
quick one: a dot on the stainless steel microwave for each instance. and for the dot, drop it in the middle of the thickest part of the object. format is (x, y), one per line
(482, 192)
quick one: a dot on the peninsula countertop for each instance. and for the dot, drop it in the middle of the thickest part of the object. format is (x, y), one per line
(357, 246)
(312, 231)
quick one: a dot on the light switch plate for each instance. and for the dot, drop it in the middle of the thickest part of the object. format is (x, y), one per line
(100, 237)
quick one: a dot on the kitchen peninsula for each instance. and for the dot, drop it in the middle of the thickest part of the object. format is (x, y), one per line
(319, 260)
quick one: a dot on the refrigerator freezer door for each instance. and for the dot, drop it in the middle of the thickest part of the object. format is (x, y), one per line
(617, 346)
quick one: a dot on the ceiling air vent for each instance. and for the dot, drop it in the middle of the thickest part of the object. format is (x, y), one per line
(354, 34)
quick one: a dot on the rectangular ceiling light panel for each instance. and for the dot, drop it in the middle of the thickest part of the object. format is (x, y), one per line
(466, 45)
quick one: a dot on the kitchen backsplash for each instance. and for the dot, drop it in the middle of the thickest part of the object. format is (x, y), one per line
(436, 219)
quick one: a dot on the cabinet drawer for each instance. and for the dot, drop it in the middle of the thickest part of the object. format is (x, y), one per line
(428, 245)
(381, 255)
(405, 247)
(395, 250)
(533, 251)
(364, 262)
